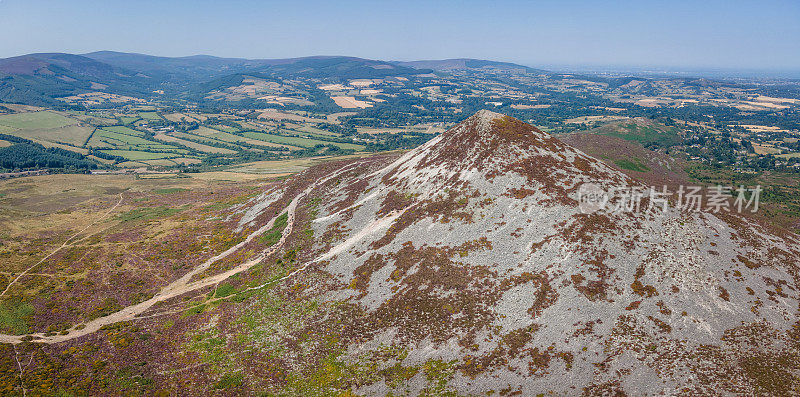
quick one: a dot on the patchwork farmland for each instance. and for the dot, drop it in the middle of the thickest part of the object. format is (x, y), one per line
(145, 137)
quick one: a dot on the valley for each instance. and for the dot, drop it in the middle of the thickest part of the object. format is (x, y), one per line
(129, 111)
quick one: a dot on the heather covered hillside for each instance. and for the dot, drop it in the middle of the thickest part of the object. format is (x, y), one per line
(466, 266)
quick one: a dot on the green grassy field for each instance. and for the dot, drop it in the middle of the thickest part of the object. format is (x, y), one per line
(203, 139)
(94, 119)
(150, 115)
(128, 120)
(295, 141)
(36, 120)
(136, 155)
(45, 126)
(222, 136)
(117, 139)
(317, 132)
(225, 128)
(124, 130)
(194, 145)
(72, 134)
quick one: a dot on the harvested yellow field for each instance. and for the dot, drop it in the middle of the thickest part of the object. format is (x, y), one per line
(361, 83)
(349, 102)
(761, 128)
(250, 87)
(333, 118)
(332, 87)
(186, 160)
(764, 149)
(229, 176)
(278, 115)
(525, 107)
(768, 105)
(97, 98)
(650, 102)
(22, 108)
(387, 130)
(197, 116)
(762, 98)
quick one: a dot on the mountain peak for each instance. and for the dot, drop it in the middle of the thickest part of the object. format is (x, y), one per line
(475, 242)
(488, 130)
(500, 154)
(488, 115)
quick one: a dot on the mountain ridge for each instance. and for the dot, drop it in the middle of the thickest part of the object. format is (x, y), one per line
(29, 78)
(467, 64)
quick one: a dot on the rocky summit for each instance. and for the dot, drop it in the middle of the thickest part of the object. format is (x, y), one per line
(471, 253)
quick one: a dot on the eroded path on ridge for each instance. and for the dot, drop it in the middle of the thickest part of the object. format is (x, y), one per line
(182, 285)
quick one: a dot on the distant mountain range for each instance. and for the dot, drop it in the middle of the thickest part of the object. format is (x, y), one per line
(467, 64)
(39, 79)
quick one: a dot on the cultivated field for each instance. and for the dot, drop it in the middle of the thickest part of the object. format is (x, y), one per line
(35, 120)
(193, 145)
(349, 102)
(45, 126)
(278, 115)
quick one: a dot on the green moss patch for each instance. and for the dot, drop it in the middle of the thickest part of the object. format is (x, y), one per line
(632, 165)
(273, 235)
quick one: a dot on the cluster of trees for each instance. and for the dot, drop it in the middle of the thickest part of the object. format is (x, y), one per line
(398, 141)
(106, 156)
(25, 154)
(346, 128)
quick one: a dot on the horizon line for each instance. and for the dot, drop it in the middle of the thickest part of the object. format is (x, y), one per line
(565, 67)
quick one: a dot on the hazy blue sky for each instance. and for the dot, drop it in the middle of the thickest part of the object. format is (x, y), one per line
(698, 34)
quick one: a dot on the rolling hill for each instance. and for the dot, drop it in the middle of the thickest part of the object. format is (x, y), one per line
(37, 79)
(207, 67)
(467, 64)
